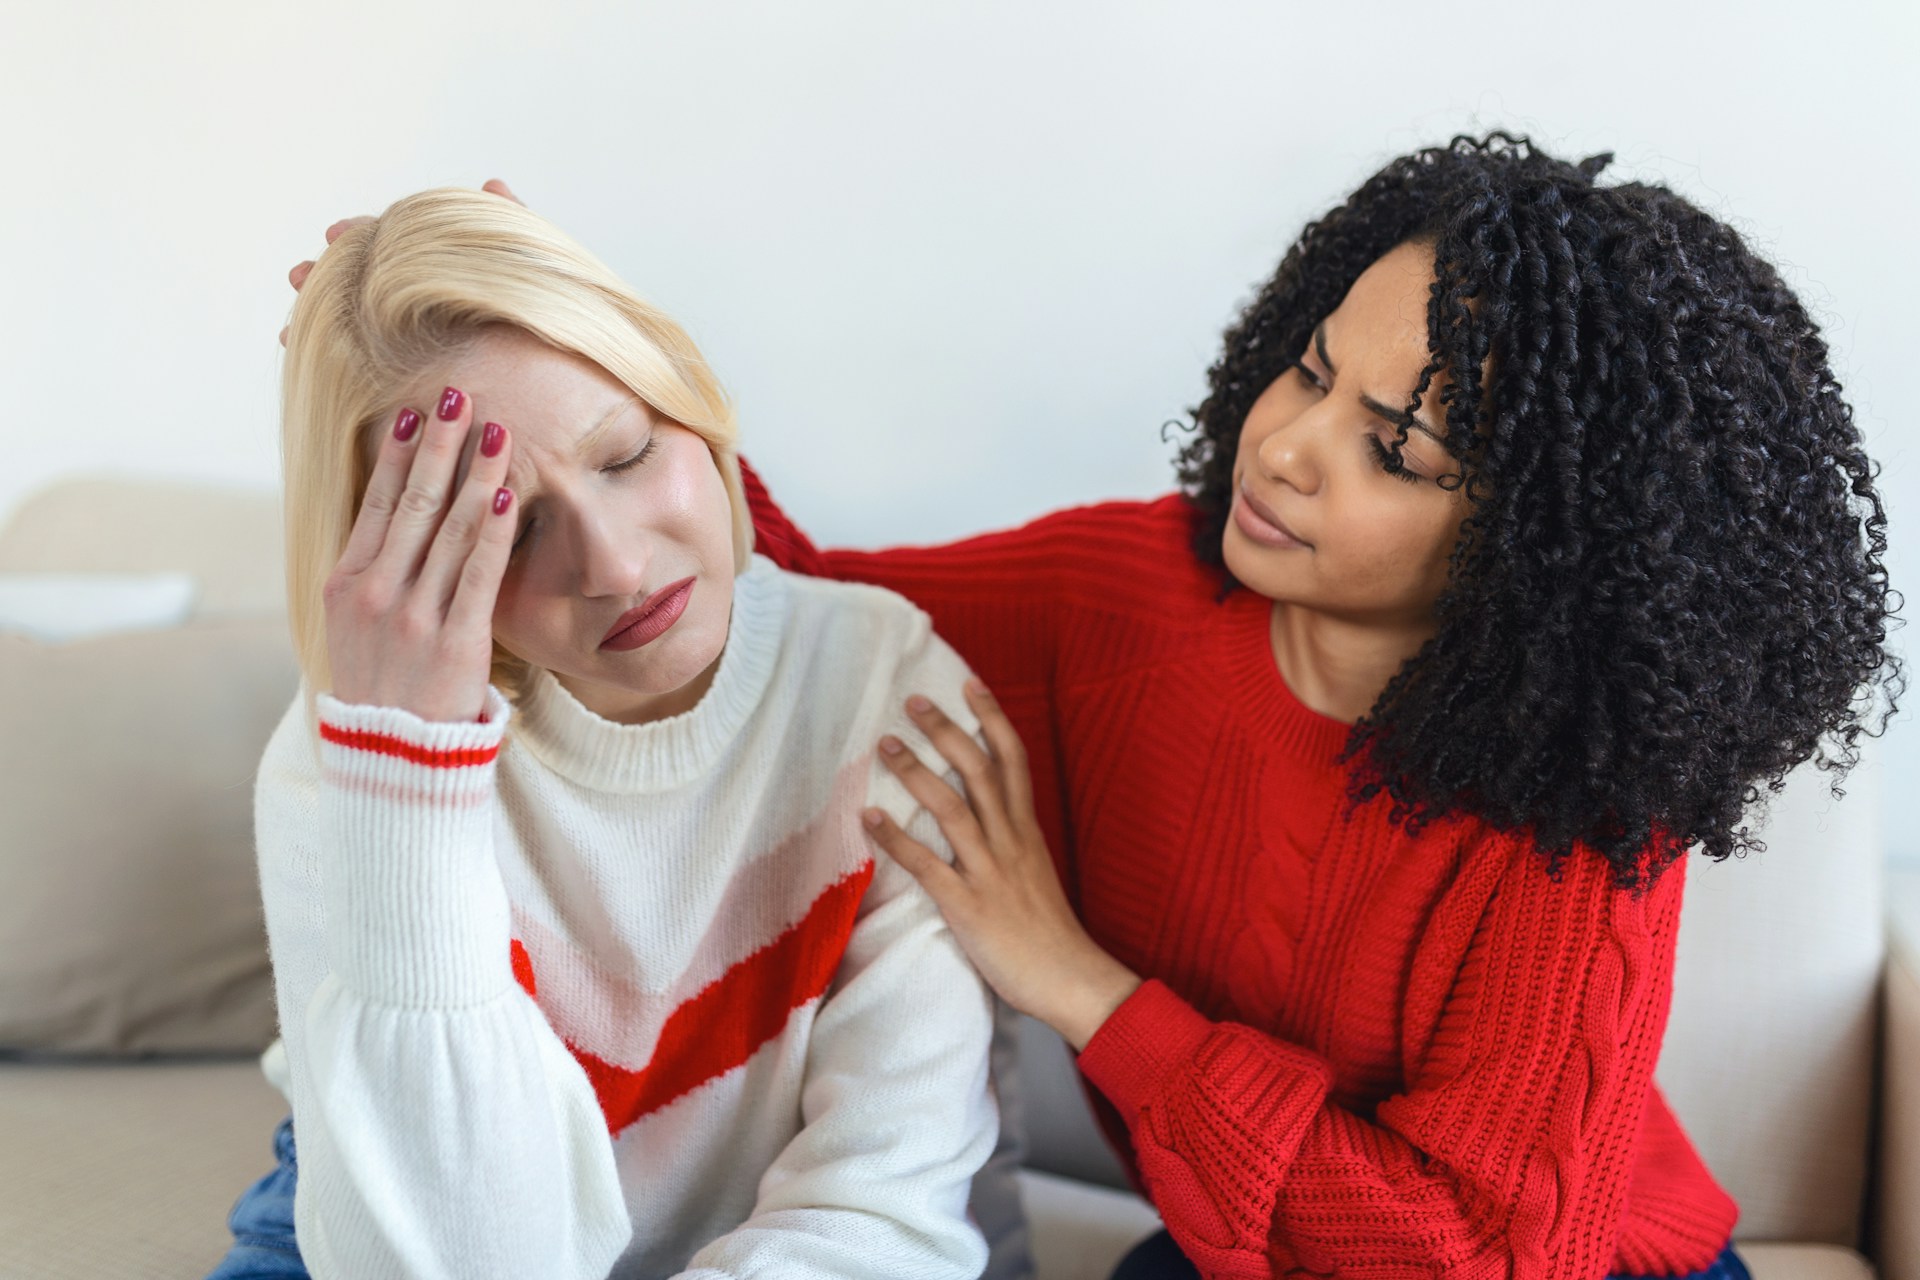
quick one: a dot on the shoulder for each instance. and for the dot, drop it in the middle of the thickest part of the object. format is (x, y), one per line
(863, 634)
(1580, 893)
(1130, 558)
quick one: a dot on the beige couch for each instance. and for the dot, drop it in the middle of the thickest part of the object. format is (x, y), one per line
(129, 926)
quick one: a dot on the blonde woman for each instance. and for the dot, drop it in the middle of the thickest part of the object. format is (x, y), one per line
(585, 963)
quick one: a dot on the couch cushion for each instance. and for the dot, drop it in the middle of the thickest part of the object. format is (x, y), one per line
(129, 900)
(1769, 1056)
(118, 1171)
(1804, 1262)
(229, 539)
(1080, 1231)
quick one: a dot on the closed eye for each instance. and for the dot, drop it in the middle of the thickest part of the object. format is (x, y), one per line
(612, 468)
(1312, 380)
(646, 452)
(1390, 461)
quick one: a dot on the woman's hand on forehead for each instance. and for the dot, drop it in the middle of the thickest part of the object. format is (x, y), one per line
(409, 606)
(301, 270)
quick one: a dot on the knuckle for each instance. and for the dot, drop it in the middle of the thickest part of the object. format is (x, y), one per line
(457, 527)
(419, 502)
(412, 624)
(948, 806)
(377, 502)
(973, 766)
(478, 575)
(338, 586)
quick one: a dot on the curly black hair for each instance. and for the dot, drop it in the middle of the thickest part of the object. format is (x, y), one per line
(1669, 588)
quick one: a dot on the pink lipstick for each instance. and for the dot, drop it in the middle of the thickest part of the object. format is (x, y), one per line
(651, 619)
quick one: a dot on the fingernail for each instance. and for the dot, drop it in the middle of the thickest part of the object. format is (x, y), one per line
(977, 686)
(491, 439)
(872, 818)
(890, 745)
(405, 425)
(918, 703)
(450, 401)
(501, 501)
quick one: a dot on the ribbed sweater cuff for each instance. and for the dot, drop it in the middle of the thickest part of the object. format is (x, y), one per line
(416, 912)
(1135, 1055)
(1151, 1035)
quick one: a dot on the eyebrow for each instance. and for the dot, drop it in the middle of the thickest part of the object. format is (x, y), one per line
(586, 444)
(1398, 417)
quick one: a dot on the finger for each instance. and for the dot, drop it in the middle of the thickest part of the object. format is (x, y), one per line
(958, 748)
(384, 488)
(468, 514)
(298, 276)
(1003, 740)
(341, 227)
(918, 861)
(948, 807)
(499, 188)
(422, 503)
(479, 586)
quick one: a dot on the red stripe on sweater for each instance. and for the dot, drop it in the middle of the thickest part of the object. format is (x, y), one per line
(523, 967)
(386, 745)
(732, 1017)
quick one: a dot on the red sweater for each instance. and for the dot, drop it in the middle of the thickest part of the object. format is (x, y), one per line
(1357, 1052)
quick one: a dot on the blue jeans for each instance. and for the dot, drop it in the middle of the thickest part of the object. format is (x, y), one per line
(1159, 1258)
(262, 1222)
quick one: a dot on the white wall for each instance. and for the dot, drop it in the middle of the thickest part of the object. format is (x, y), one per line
(957, 262)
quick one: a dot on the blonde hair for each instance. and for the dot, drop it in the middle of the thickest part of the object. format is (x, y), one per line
(390, 300)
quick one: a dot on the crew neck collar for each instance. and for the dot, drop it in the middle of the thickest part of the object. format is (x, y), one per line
(602, 754)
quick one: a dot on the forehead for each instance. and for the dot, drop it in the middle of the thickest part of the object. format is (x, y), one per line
(549, 399)
(1386, 309)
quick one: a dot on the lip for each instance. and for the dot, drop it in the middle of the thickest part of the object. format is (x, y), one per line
(1257, 520)
(651, 619)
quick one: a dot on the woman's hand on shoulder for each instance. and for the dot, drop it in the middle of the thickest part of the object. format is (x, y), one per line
(409, 606)
(301, 270)
(1001, 895)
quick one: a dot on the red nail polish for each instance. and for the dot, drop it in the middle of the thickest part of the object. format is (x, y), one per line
(491, 439)
(405, 425)
(450, 401)
(501, 501)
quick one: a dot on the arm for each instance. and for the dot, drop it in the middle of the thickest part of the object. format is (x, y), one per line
(898, 1117)
(995, 598)
(1509, 1153)
(444, 1130)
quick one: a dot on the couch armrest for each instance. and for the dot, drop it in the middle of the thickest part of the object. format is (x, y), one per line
(1899, 1175)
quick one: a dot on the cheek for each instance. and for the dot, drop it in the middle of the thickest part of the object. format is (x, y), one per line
(1401, 548)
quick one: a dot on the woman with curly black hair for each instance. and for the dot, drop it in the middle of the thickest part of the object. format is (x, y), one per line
(1526, 542)
(1333, 808)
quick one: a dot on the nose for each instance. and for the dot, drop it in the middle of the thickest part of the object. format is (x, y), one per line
(613, 556)
(1289, 454)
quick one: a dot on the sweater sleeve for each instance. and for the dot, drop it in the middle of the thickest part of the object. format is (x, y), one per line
(444, 1129)
(1508, 1154)
(897, 1110)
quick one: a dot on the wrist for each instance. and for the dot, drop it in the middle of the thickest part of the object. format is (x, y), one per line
(1102, 984)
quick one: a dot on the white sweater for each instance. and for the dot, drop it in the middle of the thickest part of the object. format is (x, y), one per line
(587, 999)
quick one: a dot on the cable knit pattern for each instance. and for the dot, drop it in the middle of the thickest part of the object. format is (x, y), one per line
(569, 999)
(1359, 1052)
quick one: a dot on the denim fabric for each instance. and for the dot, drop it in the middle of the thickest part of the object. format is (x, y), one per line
(262, 1222)
(1159, 1258)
